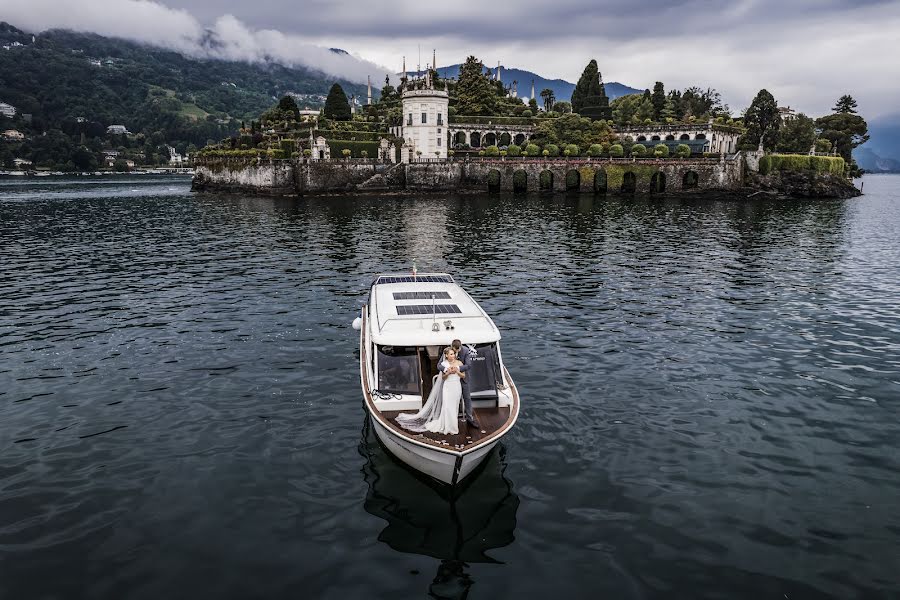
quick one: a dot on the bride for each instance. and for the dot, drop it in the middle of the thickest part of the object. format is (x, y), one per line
(439, 415)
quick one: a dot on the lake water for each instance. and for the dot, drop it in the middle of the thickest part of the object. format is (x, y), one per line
(711, 397)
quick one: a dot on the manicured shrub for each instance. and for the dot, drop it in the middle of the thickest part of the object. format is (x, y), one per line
(595, 150)
(514, 150)
(346, 152)
(683, 151)
(616, 151)
(661, 150)
(492, 151)
(572, 150)
(532, 150)
(526, 113)
(638, 150)
(552, 150)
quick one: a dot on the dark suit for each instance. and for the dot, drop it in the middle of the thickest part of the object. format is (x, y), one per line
(463, 356)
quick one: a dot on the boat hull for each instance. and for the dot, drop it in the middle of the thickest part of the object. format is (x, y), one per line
(448, 467)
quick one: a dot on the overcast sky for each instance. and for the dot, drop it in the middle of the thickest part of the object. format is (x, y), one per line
(806, 52)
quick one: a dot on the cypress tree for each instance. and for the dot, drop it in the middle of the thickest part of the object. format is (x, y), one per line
(658, 98)
(582, 89)
(476, 94)
(337, 106)
(762, 120)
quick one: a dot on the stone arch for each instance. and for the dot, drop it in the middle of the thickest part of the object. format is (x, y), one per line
(460, 138)
(475, 139)
(655, 138)
(684, 136)
(642, 138)
(629, 183)
(573, 180)
(600, 181)
(490, 139)
(505, 139)
(520, 139)
(670, 138)
(700, 136)
(690, 181)
(658, 183)
(520, 181)
(494, 179)
(545, 181)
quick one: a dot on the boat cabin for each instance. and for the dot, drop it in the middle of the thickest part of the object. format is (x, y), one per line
(410, 322)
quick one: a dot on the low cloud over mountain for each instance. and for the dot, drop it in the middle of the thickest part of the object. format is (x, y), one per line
(228, 38)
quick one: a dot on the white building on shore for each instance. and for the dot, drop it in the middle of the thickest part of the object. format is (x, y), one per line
(425, 119)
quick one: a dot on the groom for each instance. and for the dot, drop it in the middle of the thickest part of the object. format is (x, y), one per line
(463, 355)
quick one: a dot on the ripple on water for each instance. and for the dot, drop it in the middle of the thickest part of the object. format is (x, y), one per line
(709, 394)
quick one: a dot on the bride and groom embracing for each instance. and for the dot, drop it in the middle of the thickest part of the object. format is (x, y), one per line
(438, 415)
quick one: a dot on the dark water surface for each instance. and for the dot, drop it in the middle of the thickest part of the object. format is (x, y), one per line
(710, 397)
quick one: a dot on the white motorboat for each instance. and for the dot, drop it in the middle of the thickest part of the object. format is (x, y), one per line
(404, 328)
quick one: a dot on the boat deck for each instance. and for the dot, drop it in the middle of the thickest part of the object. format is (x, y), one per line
(491, 420)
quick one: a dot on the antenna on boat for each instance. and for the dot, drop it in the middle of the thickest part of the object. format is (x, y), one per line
(434, 324)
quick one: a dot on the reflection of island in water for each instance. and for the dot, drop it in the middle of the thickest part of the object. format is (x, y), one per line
(456, 525)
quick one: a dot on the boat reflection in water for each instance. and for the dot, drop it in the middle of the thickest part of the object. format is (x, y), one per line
(457, 525)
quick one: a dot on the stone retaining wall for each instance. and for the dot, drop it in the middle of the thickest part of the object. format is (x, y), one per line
(286, 177)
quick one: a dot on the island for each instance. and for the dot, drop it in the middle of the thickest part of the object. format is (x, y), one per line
(475, 133)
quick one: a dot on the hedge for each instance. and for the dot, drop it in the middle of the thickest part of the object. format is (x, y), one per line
(801, 162)
(361, 136)
(355, 148)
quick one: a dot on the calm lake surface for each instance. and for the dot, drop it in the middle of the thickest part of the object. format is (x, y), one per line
(711, 397)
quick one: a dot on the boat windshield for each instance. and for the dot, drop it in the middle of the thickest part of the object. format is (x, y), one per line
(398, 369)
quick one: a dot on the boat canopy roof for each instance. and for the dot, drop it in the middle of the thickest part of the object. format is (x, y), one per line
(403, 310)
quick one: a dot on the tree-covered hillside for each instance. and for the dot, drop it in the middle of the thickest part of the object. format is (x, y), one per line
(78, 83)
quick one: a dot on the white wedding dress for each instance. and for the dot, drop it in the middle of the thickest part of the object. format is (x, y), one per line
(439, 415)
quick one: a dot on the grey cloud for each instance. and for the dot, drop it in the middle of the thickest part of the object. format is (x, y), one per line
(807, 52)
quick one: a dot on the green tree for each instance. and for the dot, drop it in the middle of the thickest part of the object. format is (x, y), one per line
(762, 121)
(549, 99)
(583, 88)
(388, 92)
(336, 105)
(658, 99)
(475, 93)
(631, 109)
(563, 107)
(84, 159)
(661, 150)
(845, 104)
(514, 150)
(682, 151)
(797, 135)
(533, 105)
(638, 150)
(551, 150)
(572, 150)
(589, 97)
(845, 131)
(532, 150)
(288, 105)
(616, 151)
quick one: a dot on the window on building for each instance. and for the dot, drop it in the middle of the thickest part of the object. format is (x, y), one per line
(424, 117)
(409, 120)
(440, 119)
(439, 129)
(439, 141)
